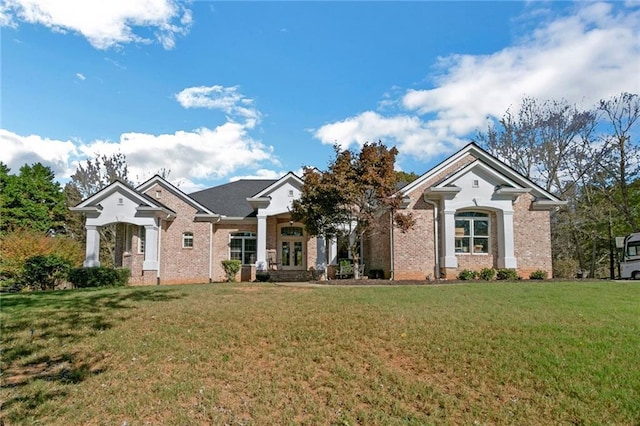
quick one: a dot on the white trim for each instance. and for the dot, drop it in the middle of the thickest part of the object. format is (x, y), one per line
(269, 189)
(498, 166)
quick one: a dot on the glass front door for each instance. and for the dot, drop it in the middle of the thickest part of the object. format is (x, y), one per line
(292, 247)
(291, 254)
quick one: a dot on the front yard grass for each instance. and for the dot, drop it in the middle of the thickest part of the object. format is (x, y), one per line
(481, 353)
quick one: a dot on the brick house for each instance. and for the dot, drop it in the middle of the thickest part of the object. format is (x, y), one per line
(472, 211)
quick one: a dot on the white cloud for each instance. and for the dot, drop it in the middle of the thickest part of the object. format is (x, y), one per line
(103, 23)
(199, 155)
(20, 150)
(261, 174)
(591, 55)
(226, 99)
(80, 76)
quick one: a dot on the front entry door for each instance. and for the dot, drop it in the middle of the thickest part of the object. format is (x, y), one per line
(291, 247)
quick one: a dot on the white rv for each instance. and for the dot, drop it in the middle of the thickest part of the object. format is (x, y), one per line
(630, 265)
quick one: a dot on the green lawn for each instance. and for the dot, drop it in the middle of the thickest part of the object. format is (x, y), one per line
(481, 353)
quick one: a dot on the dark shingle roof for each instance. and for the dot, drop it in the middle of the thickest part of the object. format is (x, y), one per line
(230, 199)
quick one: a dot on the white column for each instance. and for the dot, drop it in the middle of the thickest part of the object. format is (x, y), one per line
(92, 257)
(321, 256)
(506, 250)
(150, 248)
(449, 259)
(261, 261)
(332, 256)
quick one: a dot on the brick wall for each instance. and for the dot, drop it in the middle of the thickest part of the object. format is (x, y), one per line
(221, 247)
(532, 238)
(180, 265)
(414, 250)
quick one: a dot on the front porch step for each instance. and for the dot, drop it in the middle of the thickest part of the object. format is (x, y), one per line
(291, 276)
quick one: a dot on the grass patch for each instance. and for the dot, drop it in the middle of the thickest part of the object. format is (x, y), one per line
(495, 353)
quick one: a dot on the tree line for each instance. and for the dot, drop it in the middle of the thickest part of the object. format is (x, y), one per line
(589, 157)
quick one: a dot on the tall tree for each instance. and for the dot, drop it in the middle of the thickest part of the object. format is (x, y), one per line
(350, 196)
(31, 200)
(620, 167)
(588, 157)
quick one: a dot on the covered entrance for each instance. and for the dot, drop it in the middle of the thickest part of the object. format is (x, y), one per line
(291, 247)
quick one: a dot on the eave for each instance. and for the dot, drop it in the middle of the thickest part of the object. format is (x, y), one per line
(547, 204)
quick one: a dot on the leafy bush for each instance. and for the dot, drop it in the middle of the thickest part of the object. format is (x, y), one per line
(262, 277)
(538, 275)
(467, 274)
(487, 274)
(99, 276)
(231, 268)
(22, 244)
(44, 272)
(376, 274)
(507, 274)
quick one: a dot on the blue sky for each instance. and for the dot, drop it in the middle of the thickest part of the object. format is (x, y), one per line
(216, 91)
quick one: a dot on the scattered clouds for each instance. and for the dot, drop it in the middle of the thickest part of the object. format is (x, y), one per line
(590, 55)
(20, 150)
(226, 99)
(80, 76)
(226, 148)
(104, 24)
(261, 174)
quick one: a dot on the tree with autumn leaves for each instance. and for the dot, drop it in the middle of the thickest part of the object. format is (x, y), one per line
(350, 197)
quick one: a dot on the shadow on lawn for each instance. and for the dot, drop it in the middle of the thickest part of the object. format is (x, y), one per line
(39, 331)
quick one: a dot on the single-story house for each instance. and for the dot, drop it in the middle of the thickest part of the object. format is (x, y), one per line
(471, 211)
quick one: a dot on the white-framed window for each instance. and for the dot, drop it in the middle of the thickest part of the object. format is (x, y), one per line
(243, 246)
(187, 240)
(128, 236)
(472, 233)
(141, 238)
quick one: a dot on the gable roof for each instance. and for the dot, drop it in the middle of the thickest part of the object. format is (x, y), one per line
(277, 183)
(92, 203)
(230, 199)
(489, 161)
(176, 191)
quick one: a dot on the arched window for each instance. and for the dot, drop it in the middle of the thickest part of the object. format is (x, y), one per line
(472, 233)
(243, 247)
(187, 240)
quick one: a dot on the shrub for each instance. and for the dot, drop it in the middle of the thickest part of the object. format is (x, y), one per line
(19, 245)
(507, 274)
(467, 274)
(99, 276)
(262, 277)
(44, 272)
(376, 274)
(487, 274)
(231, 268)
(538, 275)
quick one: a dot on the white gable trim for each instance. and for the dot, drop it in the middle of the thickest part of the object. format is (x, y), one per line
(290, 176)
(93, 202)
(477, 165)
(497, 165)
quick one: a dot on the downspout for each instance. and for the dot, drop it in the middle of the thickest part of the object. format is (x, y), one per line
(210, 252)
(436, 243)
(159, 251)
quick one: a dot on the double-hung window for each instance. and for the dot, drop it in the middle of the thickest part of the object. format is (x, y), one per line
(187, 240)
(472, 233)
(243, 246)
